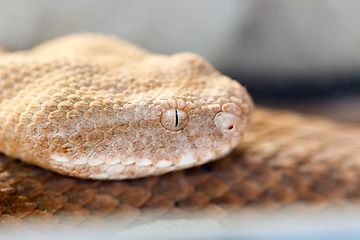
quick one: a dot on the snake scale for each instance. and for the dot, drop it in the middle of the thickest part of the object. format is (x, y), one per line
(284, 159)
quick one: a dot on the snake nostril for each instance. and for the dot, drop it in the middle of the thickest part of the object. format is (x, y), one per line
(225, 121)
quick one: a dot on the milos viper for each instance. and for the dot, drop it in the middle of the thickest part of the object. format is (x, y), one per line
(92, 106)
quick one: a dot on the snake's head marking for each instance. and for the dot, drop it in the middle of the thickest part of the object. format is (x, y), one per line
(92, 106)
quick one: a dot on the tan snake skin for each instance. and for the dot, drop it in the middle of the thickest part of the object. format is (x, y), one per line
(93, 106)
(285, 159)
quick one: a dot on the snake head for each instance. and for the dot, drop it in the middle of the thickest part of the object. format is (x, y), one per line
(187, 115)
(92, 106)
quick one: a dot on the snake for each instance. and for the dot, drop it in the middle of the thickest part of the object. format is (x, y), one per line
(84, 110)
(93, 106)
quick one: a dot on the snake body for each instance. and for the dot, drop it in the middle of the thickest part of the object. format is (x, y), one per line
(285, 159)
(93, 106)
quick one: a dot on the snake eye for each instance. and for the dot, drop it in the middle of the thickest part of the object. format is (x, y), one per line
(174, 119)
(224, 121)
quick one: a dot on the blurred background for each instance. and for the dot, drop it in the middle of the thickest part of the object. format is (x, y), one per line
(300, 55)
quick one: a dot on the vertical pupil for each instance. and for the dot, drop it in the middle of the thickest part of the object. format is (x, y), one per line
(176, 118)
